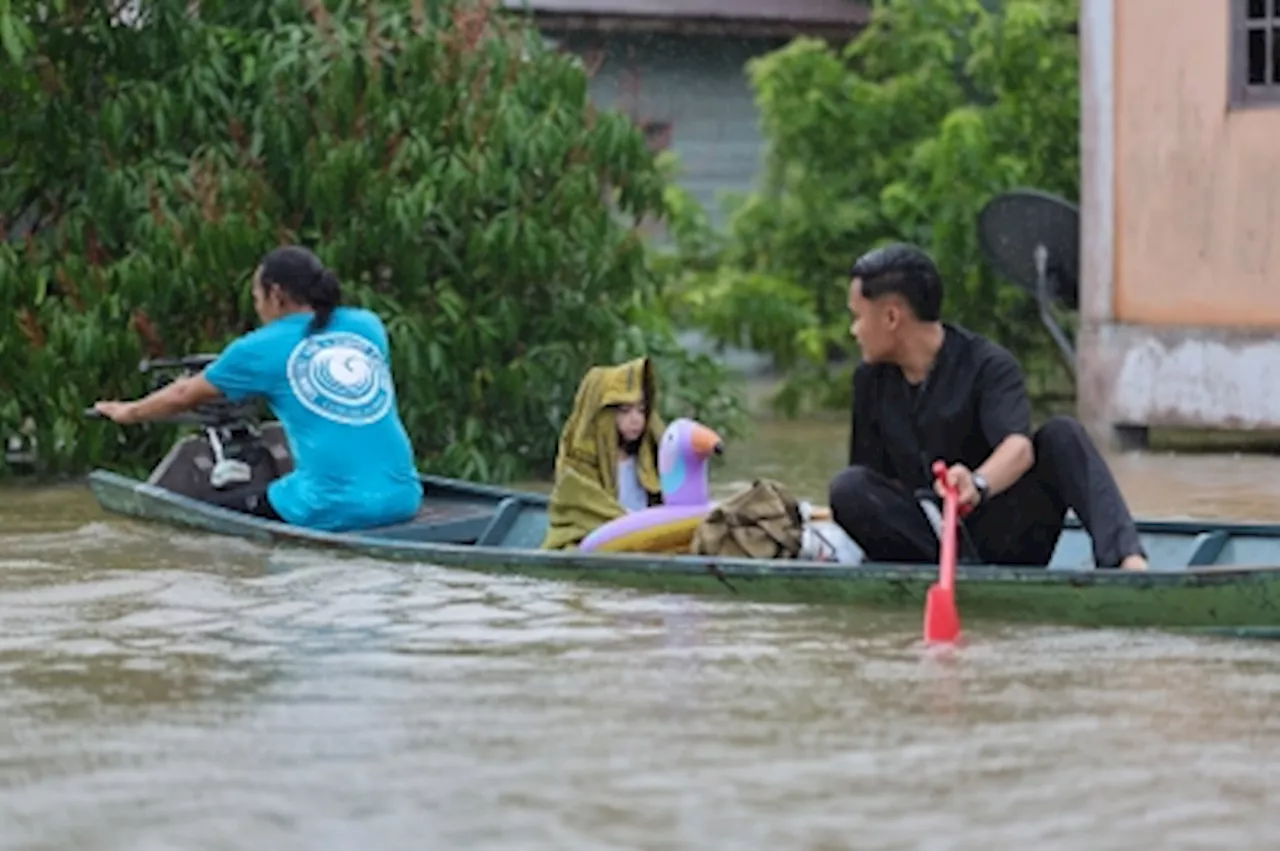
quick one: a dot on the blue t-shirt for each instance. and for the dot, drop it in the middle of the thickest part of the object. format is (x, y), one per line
(332, 391)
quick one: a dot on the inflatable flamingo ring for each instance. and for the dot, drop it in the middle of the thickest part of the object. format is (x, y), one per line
(686, 497)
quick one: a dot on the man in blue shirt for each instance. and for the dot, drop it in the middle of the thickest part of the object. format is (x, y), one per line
(325, 372)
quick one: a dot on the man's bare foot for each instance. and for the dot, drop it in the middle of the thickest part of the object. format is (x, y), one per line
(1134, 562)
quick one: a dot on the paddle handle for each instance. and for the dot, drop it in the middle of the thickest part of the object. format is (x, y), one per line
(950, 530)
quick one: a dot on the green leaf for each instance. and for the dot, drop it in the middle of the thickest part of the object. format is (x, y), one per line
(14, 34)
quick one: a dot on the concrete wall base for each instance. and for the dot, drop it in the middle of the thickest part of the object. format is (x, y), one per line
(1136, 377)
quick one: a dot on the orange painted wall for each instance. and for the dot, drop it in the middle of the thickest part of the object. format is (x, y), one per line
(1197, 192)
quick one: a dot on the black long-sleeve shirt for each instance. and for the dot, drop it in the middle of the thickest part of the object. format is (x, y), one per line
(974, 397)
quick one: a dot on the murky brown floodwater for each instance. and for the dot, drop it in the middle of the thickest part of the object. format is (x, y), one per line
(164, 690)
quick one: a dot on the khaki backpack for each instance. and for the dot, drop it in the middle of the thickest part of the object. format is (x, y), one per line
(763, 521)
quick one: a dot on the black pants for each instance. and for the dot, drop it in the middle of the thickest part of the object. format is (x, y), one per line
(249, 499)
(1020, 526)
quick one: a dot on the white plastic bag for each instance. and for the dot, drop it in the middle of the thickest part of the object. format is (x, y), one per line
(824, 540)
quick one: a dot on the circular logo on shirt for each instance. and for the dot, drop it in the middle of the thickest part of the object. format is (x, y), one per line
(342, 377)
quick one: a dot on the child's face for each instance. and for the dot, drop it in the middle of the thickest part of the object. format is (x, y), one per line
(630, 420)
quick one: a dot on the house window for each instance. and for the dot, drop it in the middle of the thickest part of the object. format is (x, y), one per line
(1255, 52)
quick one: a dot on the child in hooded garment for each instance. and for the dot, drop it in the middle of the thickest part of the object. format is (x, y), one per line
(607, 463)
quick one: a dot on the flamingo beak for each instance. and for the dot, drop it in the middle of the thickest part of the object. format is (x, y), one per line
(705, 442)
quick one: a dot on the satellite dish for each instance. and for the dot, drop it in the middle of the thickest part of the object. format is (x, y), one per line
(1033, 239)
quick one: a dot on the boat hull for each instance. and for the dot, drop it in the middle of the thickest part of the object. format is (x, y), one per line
(508, 524)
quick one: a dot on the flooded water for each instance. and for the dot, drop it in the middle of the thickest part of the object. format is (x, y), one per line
(166, 690)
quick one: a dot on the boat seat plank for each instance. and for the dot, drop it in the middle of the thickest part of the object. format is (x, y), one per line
(1207, 547)
(500, 522)
(518, 523)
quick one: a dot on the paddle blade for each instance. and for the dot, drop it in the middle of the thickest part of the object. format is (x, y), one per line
(941, 617)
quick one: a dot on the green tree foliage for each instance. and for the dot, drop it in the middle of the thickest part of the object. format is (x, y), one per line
(902, 135)
(443, 160)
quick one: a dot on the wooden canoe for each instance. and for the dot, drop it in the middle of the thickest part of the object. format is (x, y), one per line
(1216, 576)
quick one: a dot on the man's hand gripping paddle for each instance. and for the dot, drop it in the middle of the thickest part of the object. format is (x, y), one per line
(941, 618)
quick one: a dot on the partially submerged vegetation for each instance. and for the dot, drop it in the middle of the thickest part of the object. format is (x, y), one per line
(449, 164)
(903, 134)
(442, 158)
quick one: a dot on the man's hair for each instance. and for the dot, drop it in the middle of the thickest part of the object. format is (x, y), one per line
(906, 271)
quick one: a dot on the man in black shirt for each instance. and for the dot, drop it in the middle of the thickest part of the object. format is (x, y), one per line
(929, 390)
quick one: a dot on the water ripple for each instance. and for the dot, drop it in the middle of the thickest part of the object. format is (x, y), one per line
(182, 691)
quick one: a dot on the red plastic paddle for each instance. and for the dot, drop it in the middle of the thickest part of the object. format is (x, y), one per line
(941, 618)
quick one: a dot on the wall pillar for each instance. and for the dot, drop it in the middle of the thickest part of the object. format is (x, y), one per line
(1097, 213)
